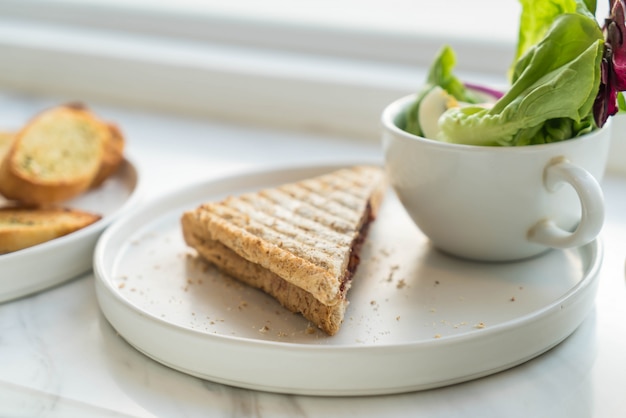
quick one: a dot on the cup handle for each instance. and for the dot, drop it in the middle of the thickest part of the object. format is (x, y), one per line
(546, 232)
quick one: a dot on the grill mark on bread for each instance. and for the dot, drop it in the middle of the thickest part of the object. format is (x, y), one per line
(338, 195)
(271, 221)
(301, 248)
(360, 176)
(307, 210)
(305, 225)
(347, 185)
(359, 181)
(298, 191)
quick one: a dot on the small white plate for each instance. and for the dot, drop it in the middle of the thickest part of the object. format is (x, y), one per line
(45, 265)
(417, 318)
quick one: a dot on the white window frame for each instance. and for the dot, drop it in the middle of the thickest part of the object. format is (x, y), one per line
(233, 66)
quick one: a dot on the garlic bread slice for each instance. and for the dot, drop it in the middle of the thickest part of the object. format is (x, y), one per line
(55, 157)
(22, 227)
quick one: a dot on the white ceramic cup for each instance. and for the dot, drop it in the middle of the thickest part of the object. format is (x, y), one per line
(497, 203)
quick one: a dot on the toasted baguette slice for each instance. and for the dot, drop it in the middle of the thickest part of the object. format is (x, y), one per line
(55, 157)
(24, 227)
(113, 155)
(6, 140)
(298, 242)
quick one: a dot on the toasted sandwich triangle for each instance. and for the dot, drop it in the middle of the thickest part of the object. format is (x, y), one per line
(298, 242)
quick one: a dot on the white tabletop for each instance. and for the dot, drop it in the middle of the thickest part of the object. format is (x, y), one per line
(59, 357)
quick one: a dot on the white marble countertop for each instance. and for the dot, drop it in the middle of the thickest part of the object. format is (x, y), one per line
(59, 357)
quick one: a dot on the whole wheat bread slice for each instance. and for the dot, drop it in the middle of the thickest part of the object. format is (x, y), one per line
(298, 242)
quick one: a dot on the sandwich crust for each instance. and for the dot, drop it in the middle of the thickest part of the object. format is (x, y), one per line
(112, 157)
(326, 317)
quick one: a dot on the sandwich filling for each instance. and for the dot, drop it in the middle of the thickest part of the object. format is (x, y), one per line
(355, 250)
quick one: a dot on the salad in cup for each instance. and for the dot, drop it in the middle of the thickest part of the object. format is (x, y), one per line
(566, 81)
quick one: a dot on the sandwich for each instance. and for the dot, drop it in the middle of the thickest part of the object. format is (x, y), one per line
(298, 242)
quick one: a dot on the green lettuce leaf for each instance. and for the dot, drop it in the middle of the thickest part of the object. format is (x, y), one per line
(538, 15)
(440, 74)
(556, 78)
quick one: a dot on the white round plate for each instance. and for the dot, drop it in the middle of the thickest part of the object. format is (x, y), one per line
(417, 318)
(45, 265)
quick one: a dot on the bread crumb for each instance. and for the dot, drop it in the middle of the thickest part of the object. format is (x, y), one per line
(392, 271)
(309, 330)
(401, 284)
(437, 335)
(398, 318)
(264, 329)
(512, 299)
(480, 325)
(121, 285)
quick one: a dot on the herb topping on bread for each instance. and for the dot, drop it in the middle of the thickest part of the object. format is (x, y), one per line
(22, 227)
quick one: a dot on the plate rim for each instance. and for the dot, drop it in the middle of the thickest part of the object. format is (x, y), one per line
(89, 234)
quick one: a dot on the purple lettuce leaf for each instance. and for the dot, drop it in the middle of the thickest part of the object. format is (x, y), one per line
(613, 66)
